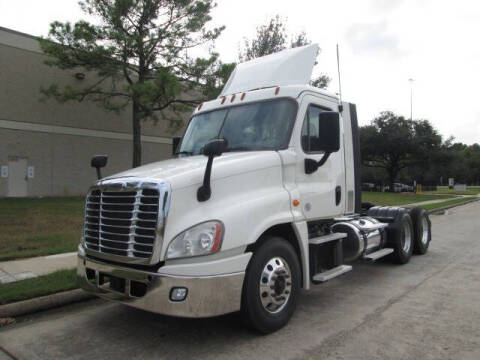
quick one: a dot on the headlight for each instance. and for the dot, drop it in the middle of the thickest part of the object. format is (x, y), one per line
(202, 239)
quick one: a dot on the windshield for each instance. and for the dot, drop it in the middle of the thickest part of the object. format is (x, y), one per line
(263, 125)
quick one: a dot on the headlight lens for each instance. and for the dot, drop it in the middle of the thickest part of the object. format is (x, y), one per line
(202, 239)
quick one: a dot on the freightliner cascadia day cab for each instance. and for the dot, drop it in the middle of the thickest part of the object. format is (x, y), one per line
(261, 200)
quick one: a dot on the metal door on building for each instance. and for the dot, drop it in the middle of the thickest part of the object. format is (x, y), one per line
(17, 177)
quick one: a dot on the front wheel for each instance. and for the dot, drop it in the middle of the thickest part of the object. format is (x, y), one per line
(271, 285)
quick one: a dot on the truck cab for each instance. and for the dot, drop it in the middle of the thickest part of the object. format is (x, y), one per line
(261, 199)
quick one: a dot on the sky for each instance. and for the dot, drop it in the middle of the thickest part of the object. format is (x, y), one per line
(383, 44)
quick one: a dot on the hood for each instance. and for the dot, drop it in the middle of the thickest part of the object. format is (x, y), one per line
(187, 171)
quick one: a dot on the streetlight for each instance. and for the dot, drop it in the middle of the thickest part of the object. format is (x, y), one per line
(415, 187)
(411, 97)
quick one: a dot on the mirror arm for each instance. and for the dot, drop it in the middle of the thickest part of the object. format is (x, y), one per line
(324, 159)
(99, 173)
(312, 165)
(204, 192)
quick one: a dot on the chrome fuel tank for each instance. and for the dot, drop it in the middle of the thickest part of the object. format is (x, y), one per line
(364, 235)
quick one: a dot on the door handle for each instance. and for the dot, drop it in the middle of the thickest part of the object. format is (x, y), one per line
(338, 195)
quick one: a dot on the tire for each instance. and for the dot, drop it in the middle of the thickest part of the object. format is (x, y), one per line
(422, 230)
(400, 236)
(367, 205)
(260, 310)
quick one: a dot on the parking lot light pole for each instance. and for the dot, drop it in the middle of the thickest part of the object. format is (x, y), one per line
(411, 97)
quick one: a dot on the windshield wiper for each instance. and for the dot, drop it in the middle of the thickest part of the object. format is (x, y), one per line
(246, 148)
(184, 153)
(237, 148)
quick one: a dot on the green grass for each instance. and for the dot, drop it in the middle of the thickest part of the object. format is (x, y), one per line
(448, 203)
(35, 227)
(382, 198)
(58, 281)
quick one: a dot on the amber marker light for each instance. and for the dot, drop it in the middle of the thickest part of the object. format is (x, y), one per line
(233, 98)
(277, 90)
(296, 202)
(200, 106)
(218, 238)
(223, 100)
(243, 96)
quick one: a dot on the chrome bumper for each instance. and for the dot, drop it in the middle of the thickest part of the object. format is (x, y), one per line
(207, 295)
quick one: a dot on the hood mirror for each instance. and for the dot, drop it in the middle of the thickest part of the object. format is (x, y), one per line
(213, 148)
(98, 162)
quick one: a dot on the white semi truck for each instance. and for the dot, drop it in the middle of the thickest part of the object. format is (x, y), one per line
(261, 200)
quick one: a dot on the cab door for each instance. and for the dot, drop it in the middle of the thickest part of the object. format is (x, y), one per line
(322, 192)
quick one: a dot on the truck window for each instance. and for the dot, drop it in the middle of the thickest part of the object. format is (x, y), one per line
(265, 125)
(310, 136)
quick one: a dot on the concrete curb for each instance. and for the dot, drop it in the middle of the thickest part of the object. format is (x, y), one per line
(43, 303)
(439, 210)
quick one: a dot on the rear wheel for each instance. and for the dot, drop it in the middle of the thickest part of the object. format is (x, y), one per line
(271, 285)
(401, 236)
(422, 229)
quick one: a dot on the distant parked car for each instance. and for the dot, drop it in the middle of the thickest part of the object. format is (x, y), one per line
(399, 187)
(408, 188)
(368, 187)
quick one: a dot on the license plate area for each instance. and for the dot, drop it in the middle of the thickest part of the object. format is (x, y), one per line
(112, 283)
(125, 286)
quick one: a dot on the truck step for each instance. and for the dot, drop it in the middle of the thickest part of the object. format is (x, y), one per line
(326, 238)
(378, 254)
(330, 274)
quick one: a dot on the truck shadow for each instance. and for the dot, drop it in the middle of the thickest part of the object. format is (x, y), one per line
(182, 337)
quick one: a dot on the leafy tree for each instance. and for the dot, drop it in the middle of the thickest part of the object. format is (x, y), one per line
(393, 143)
(273, 37)
(464, 164)
(139, 51)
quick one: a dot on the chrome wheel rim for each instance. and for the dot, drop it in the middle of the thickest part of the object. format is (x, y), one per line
(407, 239)
(275, 285)
(425, 231)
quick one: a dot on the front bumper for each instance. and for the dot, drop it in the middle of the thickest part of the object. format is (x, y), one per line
(207, 295)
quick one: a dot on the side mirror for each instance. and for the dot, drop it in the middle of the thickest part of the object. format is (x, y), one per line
(329, 131)
(211, 149)
(98, 162)
(328, 139)
(175, 143)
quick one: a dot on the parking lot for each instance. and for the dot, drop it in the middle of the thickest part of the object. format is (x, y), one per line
(429, 309)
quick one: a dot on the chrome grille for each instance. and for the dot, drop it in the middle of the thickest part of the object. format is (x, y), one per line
(121, 220)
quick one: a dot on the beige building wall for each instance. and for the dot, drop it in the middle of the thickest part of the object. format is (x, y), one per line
(58, 140)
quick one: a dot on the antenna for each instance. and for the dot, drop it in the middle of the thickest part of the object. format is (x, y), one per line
(340, 107)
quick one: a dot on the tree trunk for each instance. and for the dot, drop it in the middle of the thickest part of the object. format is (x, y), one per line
(392, 174)
(137, 141)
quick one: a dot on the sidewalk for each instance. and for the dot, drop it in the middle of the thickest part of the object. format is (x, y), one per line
(428, 202)
(15, 270)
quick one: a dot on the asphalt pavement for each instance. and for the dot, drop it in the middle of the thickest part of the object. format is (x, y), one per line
(427, 309)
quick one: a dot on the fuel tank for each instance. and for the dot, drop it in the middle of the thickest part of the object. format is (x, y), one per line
(364, 235)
